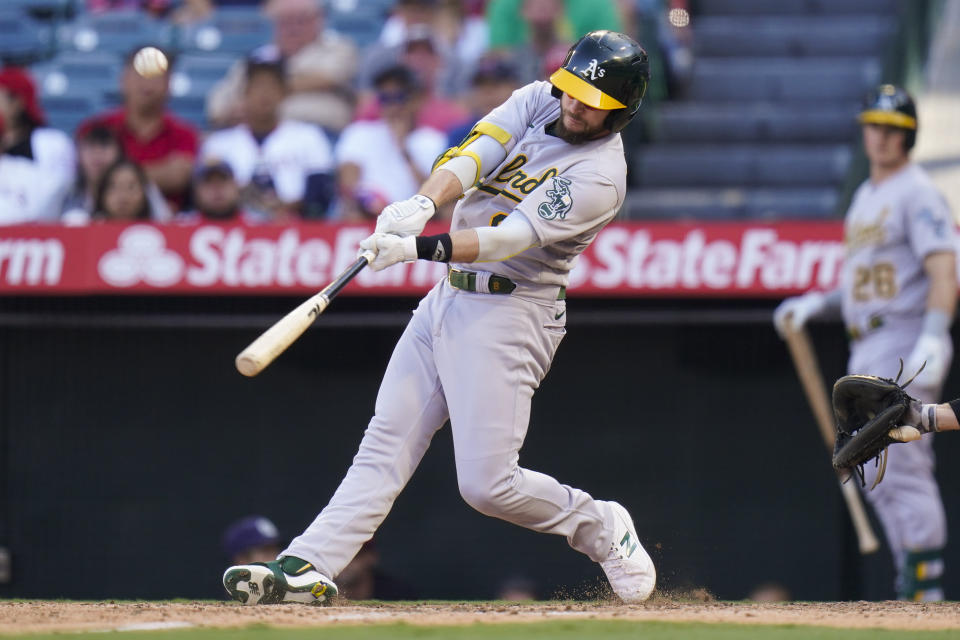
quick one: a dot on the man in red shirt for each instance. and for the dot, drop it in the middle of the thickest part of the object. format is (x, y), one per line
(164, 145)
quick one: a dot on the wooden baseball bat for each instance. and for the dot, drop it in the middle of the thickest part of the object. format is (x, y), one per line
(281, 335)
(805, 361)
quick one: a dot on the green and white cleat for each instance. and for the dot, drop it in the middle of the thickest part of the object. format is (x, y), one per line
(286, 579)
(628, 567)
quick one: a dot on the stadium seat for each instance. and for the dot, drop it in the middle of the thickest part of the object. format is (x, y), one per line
(678, 204)
(237, 30)
(191, 108)
(361, 21)
(44, 9)
(807, 79)
(741, 165)
(116, 31)
(796, 7)
(195, 74)
(22, 39)
(756, 122)
(800, 36)
(766, 126)
(766, 204)
(730, 204)
(65, 112)
(90, 74)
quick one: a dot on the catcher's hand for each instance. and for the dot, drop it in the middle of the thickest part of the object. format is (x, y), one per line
(872, 413)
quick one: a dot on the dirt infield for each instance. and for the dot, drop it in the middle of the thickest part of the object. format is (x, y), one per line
(26, 617)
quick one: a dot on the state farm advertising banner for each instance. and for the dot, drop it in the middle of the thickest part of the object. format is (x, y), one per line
(625, 260)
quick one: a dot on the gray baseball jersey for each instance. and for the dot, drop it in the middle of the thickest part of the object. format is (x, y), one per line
(568, 193)
(890, 228)
(462, 348)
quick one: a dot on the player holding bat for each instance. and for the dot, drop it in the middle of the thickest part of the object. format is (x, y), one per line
(898, 293)
(540, 176)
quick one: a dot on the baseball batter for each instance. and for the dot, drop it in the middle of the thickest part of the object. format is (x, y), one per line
(540, 176)
(898, 294)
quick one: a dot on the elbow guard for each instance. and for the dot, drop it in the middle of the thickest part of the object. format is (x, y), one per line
(486, 146)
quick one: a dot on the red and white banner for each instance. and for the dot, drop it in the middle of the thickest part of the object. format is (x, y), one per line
(626, 260)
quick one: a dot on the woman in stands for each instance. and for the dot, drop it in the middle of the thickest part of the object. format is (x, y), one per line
(122, 196)
(98, 149)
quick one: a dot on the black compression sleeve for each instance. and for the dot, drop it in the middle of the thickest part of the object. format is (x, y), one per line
(438, 248)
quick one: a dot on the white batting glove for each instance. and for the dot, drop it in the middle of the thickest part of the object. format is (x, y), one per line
(934, 349)
(389, 249)
(407, 217)
(792, 314)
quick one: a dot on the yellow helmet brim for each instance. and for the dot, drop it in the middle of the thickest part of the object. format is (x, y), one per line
(584, 91)
(892, 118)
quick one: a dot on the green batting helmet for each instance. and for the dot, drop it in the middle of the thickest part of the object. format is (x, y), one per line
(893, 106)
(605, 70)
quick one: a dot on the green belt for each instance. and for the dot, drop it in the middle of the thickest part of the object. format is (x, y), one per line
(467, 281)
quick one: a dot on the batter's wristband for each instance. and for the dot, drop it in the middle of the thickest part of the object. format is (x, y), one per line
(438, 248)
(928, 417)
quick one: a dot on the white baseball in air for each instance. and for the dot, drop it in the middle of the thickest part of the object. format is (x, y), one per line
(150, 62)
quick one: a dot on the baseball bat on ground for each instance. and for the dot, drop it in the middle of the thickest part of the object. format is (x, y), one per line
(805, 361)
(281, 335)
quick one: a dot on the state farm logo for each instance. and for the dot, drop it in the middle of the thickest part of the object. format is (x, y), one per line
(755, 259)
(141, 256)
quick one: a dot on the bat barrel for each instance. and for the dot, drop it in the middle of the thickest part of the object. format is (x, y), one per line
(275, 340)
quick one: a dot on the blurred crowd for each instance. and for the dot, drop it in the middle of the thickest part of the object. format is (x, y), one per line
(306, 127)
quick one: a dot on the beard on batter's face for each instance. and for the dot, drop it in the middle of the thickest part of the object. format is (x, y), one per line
(578, 124)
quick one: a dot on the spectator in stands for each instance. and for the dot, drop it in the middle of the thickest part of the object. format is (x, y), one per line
(150, 135)
(403, 15)
(285, 168)
(465, 36)
(492, 83)
(567, 19)
(39, 161)
(251, 539)
(193, 12)
(122, 196)
(16, 173)
(216, 196)
(97, 150)
(157, 8)
(537, 42)
(320, 66)
(422, 55)
(546, 33)
(381, 161)
(460, 37)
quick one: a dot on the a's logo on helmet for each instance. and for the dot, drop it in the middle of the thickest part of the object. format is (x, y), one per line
(593, 70)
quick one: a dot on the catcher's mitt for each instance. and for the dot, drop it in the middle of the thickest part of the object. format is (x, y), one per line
(866, 409)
